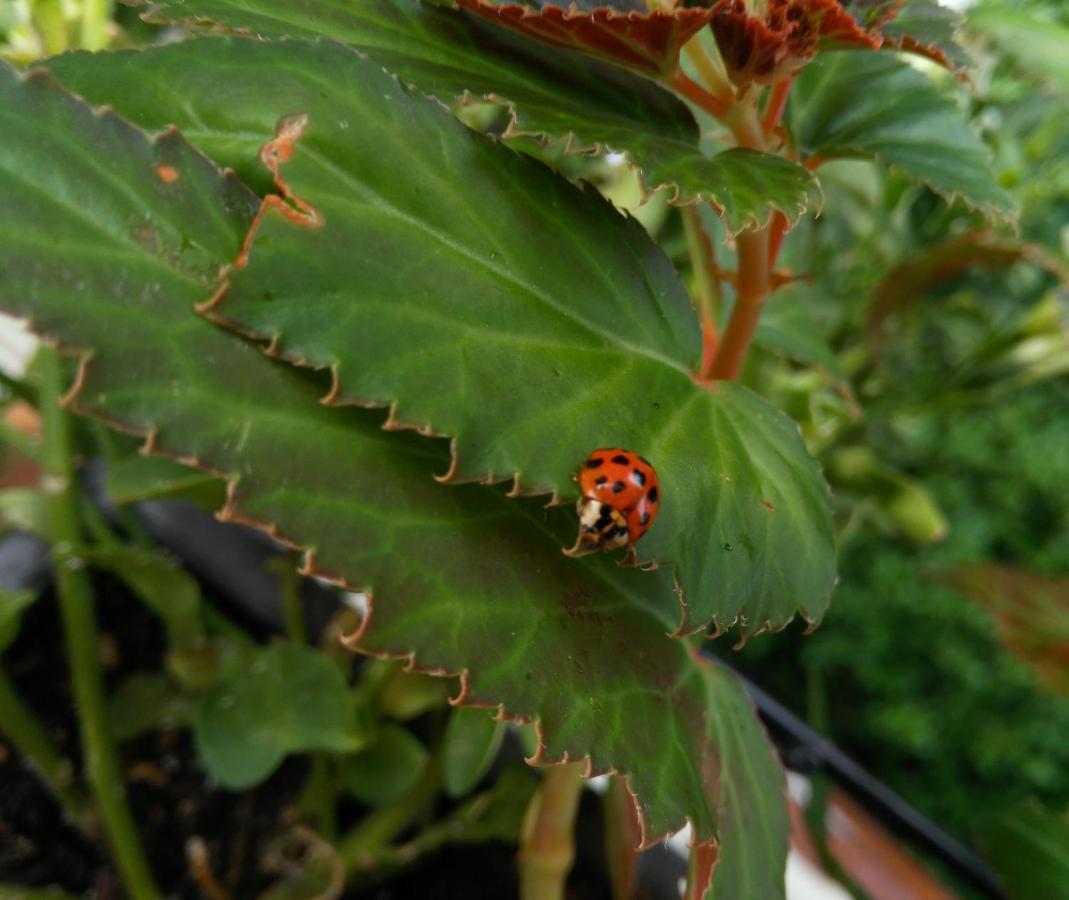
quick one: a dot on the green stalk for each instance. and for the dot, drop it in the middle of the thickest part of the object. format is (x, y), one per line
(547, 847)
(359, 849)
(317, 797)
(50, 25)
(19, 892)
(23, 730)
(80, 632)
(450, 829)
(105, 441)
(292, 607)
(95, 17)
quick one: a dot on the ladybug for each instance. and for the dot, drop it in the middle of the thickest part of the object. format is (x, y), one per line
(620, 500)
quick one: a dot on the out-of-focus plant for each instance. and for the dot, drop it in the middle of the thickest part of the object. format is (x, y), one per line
(940, 417)
(31, 29)
(308, 191)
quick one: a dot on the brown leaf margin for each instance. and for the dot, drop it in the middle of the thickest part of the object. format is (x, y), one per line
(301, 213)
(569, 142)
(278, 150)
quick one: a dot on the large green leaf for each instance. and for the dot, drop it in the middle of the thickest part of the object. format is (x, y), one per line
(482, 297)
(551, 93)
(873, 105)
(463, 579)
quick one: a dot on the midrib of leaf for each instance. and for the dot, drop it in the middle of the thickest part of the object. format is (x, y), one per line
(486, 263)
(783, 560)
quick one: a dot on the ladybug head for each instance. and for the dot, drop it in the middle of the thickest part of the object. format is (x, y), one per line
(601, 527)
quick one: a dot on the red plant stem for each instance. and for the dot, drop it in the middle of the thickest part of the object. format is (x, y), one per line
(700, 869)
(710, 343)
(699, 95)
(703, 259)
(774, 108)
(777, 231)
(754, 282)
(777, 103)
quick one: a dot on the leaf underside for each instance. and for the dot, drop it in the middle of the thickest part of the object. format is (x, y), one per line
(552, 93)
(873, 105)
(926, 28)
(523, 317)
(647, 40)
(117, 237)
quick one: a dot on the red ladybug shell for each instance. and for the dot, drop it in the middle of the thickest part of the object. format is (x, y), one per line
(625, 489)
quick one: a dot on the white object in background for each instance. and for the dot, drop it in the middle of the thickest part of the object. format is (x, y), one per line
(804, 880)
(17, 346)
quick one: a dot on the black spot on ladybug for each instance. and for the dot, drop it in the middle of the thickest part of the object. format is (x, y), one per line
(616, 532)
(621, 459)
(644, 519)
(601, 479)
(617, 486)
(594, 463)
(604, 518)
(653, 494)
(638, 477)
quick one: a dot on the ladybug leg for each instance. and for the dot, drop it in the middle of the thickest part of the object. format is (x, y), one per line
(589, 539)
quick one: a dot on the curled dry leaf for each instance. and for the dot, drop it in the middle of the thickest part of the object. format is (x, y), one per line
(648, 41)
(773, 45)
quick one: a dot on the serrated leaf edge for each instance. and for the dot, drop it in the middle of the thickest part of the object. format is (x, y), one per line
(301, 213)
(573, 145)
(230, 511)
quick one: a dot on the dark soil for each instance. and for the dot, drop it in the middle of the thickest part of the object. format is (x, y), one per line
(173, 801)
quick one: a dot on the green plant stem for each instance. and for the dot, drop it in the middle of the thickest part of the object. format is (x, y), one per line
(360, 848)
(19, 892)
(50, 25)
(317, 797)
(709, 70)
(95, 17)
(754, 283)
(292, 607)
(446, 830)
(105, 441)
(22, 729)
(547, 846)
(79, 625)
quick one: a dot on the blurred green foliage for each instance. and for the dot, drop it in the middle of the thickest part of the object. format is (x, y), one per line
(957, 451)
(918, 687)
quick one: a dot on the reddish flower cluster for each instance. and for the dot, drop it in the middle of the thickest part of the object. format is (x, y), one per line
(767, 48)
